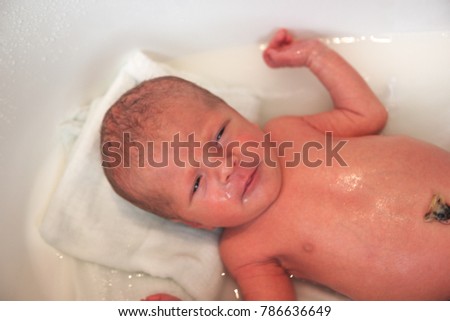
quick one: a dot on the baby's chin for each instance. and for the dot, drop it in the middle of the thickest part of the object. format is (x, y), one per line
(247, 217)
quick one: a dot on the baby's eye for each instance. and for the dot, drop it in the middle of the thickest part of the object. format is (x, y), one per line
(196, 184)
(220, 133)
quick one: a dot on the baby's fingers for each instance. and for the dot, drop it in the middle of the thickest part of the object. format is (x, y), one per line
(297, 54)
(281, 38)
(275, 53)
(161, 297)
(270, 57)
(275, 58)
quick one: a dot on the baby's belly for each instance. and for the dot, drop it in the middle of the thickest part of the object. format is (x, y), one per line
(365, 234)
(387, 185)
(395, 185)
(376, 261)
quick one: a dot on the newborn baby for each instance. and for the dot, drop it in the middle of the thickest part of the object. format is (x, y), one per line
(320, 197)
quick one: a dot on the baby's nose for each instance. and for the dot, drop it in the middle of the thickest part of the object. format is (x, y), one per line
(226, 170)
(222, 166)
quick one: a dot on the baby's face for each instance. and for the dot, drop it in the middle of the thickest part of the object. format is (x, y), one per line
(219, 178)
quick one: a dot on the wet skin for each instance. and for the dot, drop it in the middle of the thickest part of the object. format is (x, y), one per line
(357, 228)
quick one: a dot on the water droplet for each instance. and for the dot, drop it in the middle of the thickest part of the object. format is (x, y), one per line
(348, 39)
(380, 39)
(236, 294)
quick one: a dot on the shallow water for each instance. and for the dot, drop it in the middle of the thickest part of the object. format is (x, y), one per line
(409, 72)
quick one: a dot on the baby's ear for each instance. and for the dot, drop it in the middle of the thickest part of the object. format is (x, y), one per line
(194, 224)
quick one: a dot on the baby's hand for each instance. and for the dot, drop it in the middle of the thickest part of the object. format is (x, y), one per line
(284, 51)
(161, 297)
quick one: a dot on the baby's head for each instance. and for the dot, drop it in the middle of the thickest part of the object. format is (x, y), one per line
(173, 148)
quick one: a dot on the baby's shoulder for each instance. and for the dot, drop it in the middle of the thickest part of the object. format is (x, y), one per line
(286, 120)
(289, 124)
(238, 248)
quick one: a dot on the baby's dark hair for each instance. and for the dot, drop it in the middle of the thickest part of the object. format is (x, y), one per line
(140, 113)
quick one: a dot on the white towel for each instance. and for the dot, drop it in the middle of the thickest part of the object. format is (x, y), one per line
(87, 220)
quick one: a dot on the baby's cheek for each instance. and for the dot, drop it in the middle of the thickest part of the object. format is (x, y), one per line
(253, 140)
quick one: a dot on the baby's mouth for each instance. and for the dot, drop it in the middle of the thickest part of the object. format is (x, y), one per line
(250, 180)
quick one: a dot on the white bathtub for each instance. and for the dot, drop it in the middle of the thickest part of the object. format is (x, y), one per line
(55, 55)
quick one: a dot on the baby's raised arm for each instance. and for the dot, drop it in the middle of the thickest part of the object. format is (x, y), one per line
(357, 111)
